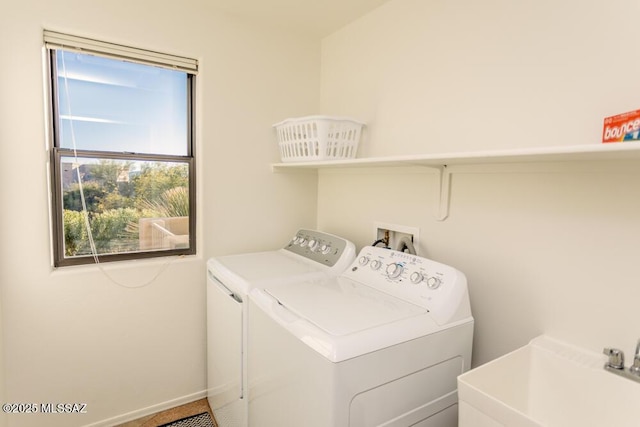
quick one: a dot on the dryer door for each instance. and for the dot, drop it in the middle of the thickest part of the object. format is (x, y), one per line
(224, 344)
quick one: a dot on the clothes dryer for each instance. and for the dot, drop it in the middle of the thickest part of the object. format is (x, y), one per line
(380, 345)
(309, 255)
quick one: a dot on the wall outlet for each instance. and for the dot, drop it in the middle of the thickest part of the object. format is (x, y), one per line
(393, 233)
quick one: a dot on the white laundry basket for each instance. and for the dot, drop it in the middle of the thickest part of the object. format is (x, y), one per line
(314, 138)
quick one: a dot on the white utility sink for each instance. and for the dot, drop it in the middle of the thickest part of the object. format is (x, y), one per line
(547, 383)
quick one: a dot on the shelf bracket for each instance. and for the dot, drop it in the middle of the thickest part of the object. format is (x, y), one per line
(444, 193)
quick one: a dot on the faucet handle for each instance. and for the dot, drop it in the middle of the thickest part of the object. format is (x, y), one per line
(635, 368)
(616, 358)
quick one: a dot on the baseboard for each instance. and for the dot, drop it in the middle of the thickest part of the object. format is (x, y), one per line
(149, 410)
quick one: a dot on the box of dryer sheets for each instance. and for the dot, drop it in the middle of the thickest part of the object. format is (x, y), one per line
(623, 127)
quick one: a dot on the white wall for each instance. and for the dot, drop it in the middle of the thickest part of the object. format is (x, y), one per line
(439, 76)
(72, 335)
(547, 248)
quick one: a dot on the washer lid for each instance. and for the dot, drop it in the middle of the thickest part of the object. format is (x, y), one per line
(342, 306)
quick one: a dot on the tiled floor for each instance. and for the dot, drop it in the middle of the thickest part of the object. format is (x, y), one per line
(174, 414)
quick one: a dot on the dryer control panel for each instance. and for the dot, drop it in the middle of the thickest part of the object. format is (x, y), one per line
(327, 249)
(439, 288)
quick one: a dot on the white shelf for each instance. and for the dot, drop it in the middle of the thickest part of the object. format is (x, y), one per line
(611, 151)
(574, 153)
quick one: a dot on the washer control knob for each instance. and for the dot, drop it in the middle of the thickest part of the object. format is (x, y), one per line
(416, 277)
(325, 249)
(375, 264)
(433, 282)
(313, 244)
(302, 242)
(394, 270)
(363, 260)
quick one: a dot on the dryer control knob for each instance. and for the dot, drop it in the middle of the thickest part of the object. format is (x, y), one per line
(394, 270)
(375, 264)
(363, 260)
(433, 282)
(302, 242)
(416, 277)
(325, 249)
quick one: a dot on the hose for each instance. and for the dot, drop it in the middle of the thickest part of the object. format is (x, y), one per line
(405, 243)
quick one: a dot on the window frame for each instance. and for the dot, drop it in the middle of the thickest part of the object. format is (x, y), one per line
(56, 154)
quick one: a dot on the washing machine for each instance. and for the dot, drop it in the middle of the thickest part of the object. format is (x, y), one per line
(309, 255)
(379, 345)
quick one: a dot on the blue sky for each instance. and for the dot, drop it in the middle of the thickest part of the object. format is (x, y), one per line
(121, 106)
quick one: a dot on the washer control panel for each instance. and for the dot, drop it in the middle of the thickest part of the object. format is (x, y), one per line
(439, 288)
(324, 248)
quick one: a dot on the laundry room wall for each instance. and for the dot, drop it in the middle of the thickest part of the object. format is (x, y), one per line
(73, 336)
(546, 247)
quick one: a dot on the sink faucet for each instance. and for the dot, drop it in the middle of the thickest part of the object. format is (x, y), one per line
(635, 368)
(616, 358)
(615, 363)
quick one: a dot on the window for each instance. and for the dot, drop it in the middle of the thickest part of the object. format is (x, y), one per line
(122, 160)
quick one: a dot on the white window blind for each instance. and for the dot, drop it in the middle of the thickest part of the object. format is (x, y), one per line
(55, 40)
